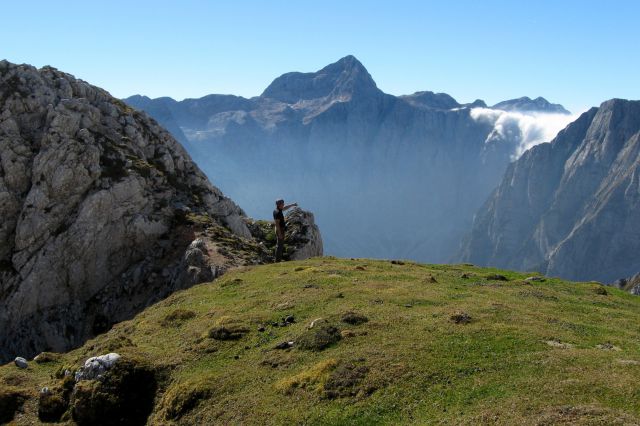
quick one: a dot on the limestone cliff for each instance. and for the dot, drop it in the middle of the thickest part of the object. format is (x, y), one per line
(571, 207)
(103, 213)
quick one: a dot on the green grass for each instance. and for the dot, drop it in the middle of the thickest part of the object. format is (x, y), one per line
(529, 355)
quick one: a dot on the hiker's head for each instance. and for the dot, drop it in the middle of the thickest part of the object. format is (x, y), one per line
(280, 203)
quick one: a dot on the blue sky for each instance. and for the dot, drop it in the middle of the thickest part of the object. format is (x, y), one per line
(578, 53)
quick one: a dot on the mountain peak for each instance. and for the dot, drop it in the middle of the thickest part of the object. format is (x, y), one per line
(348, 62)
(617, 103)
(431, 100)
(343, 78)
(525, 103)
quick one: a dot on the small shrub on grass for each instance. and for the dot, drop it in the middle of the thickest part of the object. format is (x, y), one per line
(228, 332)
(181, 398)
(497, 277)
(345, 381)
(45, 357)
(319, 338)
(177, 318)
(601, 290)
(228, 328)
(460, 317)
(354, 318)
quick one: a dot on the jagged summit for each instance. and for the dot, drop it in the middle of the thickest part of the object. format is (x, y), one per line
(525, 103)
(343, 78)
(431, 100)
(478, 103)
(138, 97)
(618, 103)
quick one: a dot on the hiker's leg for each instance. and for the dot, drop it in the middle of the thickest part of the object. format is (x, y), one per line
(279, 249)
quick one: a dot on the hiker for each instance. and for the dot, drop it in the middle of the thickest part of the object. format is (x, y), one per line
(281, 226)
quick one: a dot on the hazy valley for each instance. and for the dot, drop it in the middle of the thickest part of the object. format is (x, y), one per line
(386, 176)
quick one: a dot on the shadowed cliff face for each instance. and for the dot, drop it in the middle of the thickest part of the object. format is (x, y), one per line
(385, 176)
(569, 208)
(103, 213)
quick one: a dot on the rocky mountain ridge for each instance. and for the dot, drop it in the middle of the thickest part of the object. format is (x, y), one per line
(570, 207)
(103, 213)
(525, 103)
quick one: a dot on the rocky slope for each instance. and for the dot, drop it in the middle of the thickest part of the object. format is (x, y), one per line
(386, 176)
(570, 207)
(631, 284)
(103, 213)
(332, 341)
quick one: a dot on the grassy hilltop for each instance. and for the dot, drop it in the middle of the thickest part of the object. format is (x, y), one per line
(391, 343)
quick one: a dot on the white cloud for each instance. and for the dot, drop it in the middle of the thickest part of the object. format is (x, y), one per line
(523, 129)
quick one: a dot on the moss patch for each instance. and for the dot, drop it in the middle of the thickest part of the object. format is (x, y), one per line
(45, 357)
(177, 318)
(228, 332)
(126, 394)
(180, 398)
(53, 403)
(228, 328)
(346, 381)
(318, 338)
(354, 318)
(11, 400)
(312, 379)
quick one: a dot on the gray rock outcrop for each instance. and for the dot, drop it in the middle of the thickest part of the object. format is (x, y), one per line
(569, 208)
(96, 366)
(631, 284)
(303, 235)
(20, 362)
(103, 213)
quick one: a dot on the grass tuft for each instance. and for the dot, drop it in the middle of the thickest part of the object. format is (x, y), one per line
(312, 379)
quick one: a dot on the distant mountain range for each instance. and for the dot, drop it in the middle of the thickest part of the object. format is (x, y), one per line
(387, 176)
(527, 104)
(569, 208)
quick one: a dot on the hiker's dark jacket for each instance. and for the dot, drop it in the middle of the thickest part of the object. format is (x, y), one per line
(278, 216)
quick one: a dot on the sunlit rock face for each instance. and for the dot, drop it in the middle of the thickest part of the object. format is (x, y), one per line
(103, 213)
